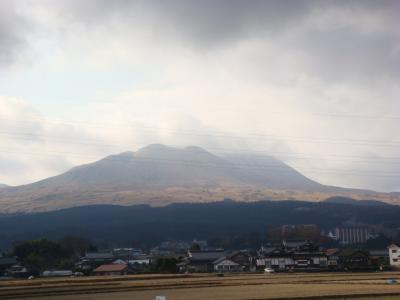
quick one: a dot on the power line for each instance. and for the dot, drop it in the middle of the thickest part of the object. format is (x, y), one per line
(225, 135)
(256, 153)
(277, 168)
(33, 136)
(93, 142)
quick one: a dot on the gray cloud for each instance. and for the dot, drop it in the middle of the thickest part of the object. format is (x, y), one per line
(13, 33)
(339, 48)
(354, 40)
(203, 23)
(344, 54)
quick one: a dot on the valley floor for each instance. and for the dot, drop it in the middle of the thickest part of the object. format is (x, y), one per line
(209, 286)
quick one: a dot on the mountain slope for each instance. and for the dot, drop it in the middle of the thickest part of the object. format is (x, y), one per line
(267, 171)
(158, 165)
(159, 175)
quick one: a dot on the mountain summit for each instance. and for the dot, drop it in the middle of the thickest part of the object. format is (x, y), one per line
(159, 175)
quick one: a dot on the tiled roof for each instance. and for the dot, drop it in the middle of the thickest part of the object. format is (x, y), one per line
(332, 251)
(111, 268)
(350, 252)
(99, 255)
(221, 259)
(206, 255)
(381, 252)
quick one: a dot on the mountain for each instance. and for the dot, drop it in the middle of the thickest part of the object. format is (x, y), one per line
(2, 186)
(159, 175)
(162, 166)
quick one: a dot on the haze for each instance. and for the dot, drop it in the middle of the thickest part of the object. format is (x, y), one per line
(314, 83)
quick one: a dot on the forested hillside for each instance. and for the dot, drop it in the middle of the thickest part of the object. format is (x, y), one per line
(142, 225)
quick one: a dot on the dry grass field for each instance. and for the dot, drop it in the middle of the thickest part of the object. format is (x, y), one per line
(68, 196)
(208, 286)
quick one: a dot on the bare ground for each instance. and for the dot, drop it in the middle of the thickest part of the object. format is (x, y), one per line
(209, 286)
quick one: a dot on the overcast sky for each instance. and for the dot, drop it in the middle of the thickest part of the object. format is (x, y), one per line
(315, 83)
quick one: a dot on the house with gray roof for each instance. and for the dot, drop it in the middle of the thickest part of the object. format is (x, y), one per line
(200, 260)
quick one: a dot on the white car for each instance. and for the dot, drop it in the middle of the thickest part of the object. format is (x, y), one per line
(269, 270)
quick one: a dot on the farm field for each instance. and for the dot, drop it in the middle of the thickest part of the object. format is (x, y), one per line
(209, 286)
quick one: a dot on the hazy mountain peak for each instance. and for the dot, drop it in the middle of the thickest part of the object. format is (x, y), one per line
(190, 154)
(196, 149)
(122, 155)
(154, 147)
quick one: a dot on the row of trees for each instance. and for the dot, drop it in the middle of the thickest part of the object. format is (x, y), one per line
(43, 253)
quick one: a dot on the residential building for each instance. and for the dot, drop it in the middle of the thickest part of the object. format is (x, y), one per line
(111, 269)
(379, 258)
(243, 258)
(122, 253)
(278, 259)
(94, 259)
(304, 257)
(355, 260)
(310, 257)
(224, 264)
(200, 260)
(7, 262)
(99, 257)
(394, 256)
(233, 262)
(139, 261)
(332, 256)
(18, 271)
(170, 248)
(119, 262)
(127, 253)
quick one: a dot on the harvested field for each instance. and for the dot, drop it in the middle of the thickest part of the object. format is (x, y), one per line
(208, 286)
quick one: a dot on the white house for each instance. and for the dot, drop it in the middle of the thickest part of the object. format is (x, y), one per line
(394, 255)
(224, 264)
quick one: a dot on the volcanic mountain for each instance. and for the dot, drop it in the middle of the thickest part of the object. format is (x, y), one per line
(160, 175)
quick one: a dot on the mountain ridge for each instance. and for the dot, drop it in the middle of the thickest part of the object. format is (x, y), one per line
(159, 175)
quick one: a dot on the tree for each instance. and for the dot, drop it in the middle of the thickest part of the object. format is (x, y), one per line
(195, 247)
(166, 265)
(75, 245)
(41, 253)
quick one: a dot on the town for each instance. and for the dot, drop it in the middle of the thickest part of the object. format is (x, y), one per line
(295, 248)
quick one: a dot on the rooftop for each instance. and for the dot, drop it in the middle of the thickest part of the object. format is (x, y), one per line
(206, 255)
(99, 255)
(111, 268)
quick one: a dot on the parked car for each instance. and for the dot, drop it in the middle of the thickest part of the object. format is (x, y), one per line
(269, 270)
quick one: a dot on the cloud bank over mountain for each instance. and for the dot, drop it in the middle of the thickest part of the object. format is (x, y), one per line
(313, 83)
